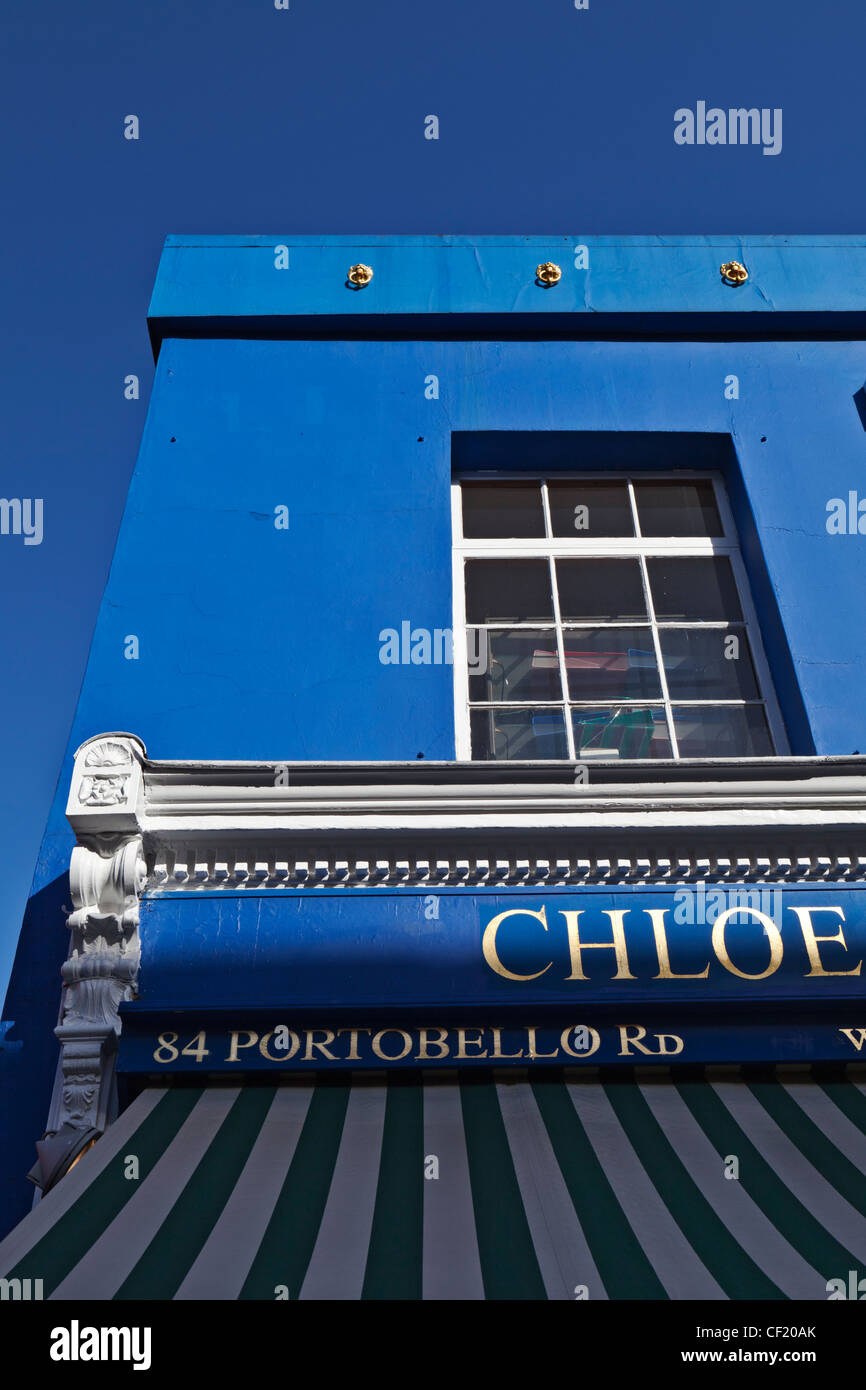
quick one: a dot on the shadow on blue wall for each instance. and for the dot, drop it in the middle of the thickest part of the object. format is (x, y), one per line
(27, 1072)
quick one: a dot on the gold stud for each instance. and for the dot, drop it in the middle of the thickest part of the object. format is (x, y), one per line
(733, 273)
(548, 274)
(360, 275)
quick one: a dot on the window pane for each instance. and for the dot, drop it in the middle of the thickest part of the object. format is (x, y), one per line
(590, 509)
(719, 731)
(685, 589)
(621, 731)
(709, 663)
(518, 666)
(600, 590)
(510, 591)
(611, 663)
(677, 509)
(508, 510)
(518, 733)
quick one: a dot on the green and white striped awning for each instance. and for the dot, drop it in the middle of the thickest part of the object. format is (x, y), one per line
(464, 1188)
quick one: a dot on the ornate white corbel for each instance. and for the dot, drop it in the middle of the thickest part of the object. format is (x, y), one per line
(106, 877)
(99, 974)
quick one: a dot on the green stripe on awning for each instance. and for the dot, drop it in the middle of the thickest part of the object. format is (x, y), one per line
(830, 1162)
(394, 1264)
(58, 1252)
(735, 1271)
(548, 1185)
(288, 1243)
(850, 1101)
(770, 1193)
(160, 1271)
(625, 1269)
(508, 1264)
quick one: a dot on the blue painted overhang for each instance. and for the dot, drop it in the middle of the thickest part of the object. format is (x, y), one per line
(439, 949)
(486, 286)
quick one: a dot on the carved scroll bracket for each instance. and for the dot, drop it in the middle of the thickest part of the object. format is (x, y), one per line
(100, 972)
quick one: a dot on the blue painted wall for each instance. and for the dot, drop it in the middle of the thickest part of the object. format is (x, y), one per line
(264, 643)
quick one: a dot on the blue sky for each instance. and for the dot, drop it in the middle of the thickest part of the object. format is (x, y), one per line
(307, 120)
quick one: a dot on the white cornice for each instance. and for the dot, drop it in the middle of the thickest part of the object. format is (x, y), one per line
(218, 825)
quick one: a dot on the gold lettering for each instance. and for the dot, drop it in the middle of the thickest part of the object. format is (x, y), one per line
(322, 1047)
(657, 917)
(773, 934)
(497, 1052)
(377, 1044)
(584, 1051)
(669, 1051)
(857, 1041)
(423, 1043)
(812, 940)
(252, 1039)
(352, 1054)
(285, 1054)
(625, 1041)
(576, 946)
(463, 1042)
(488, 942)
(531, 1050)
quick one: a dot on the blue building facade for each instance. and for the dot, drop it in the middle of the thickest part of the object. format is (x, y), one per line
(325, 816)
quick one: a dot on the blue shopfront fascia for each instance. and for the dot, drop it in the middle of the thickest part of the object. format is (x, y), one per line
(414, 978)
(457, 947)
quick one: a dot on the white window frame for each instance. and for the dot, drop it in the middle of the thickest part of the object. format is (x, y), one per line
(636, 546)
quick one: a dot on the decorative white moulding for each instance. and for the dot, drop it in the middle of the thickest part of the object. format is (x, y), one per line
(107, 787)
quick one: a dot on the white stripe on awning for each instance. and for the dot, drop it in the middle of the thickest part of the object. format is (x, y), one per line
(339, 1260)
(800, 1177)
(57, 1202)
(117, 1251)
(452, 1268)
(227, 1255)
(680, 1270)
(742, 1216)
(564, 1258)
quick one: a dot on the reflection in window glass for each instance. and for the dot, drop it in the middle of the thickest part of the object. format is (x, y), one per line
(521, 665)
(590, 509)
(722, 731)
(611, 663)
(508, 510)
(677, 509)
(708, 663)
(686, 589)
(518, 733)
(509, 591)
(600, 590)
(621, 731)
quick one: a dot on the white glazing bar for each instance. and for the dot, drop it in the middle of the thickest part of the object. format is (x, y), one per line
(650, 608)
(560, 640)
